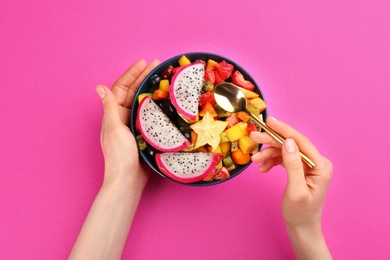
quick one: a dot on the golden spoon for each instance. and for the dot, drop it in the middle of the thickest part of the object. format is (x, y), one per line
(232, 99)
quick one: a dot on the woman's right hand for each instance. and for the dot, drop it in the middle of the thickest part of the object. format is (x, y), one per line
(304, 197)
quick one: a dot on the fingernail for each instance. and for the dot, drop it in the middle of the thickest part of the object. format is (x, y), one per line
(255, 156)
(101, 92)
(290, 146)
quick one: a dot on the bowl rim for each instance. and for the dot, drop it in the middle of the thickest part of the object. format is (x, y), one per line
(174, 62)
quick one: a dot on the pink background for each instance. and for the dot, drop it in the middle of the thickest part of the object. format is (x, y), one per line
(323, 67)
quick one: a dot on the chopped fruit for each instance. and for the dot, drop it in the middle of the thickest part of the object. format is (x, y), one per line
(217, 150)
(160, 94)
(212, 175)
(225, 147)
(237, 131)
(143, 95)
(228, 163)
(223, 70)
(202, 149)
(222, 174)
(246, 144)
(167, 73)
(207, 86)
(183, 61)
(207, 97)
(141, 142)
(220, 111)
(224, 137)
(211, 64)
(240, 158)
(252, 128)
(208, 108)
(238, 79)
(164, 84)
(254, 110)
(244, 127)
(194, 136)
(258, 103)
(243, 116)
(249, 94)
(209, 131)
(233, 146)
(175, 70)
(209, 76)
(232, 119)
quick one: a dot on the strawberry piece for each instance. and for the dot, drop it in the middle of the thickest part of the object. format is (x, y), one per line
(238, 79)
(207, 97)
(252, 128)
(223, 70)
(209, 75)
(175, 70)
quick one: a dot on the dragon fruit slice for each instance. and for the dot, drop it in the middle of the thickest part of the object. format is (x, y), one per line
(185, 89)
(157, 129)
(188, 167)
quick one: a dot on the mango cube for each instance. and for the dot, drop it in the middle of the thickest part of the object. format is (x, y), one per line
(183, 61)
(246, 144)
(225, 147)
(237, 131)
(211, 64)
(164, 84)
(258, 104)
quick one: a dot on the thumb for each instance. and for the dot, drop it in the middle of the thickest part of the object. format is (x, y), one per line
(110, 105)
(293, 164)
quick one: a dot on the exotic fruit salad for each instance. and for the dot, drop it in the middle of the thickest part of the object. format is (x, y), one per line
(188, 135)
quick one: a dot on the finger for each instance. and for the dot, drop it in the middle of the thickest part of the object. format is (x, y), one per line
(123, 84)
(264, 138)
(265, 154)
(135, 85)
(293, 164)
(111, 108)
(304, 144)
(270, 163)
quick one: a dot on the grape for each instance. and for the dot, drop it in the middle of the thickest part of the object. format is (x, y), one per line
(155, 80)
(150, 151)
(167, 73)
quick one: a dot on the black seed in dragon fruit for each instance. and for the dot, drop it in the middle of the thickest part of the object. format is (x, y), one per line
(188, 167)
(157, 129)
(185, 90)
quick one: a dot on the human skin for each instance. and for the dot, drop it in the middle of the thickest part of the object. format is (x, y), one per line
(105, 230)
(106, 227)
(304, 196)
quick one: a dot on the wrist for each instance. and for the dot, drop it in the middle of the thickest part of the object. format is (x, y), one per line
(308, 242)
(125, 184)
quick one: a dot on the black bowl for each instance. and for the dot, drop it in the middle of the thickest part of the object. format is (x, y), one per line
(145, 86)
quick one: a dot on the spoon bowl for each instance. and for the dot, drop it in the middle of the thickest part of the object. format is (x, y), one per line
(230, 98)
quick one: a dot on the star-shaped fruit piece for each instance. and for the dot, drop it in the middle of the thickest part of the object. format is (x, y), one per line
(209, 131)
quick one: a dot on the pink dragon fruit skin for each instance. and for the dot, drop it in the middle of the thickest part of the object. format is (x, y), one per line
(188, 167)
(158, 130)
(185, 90)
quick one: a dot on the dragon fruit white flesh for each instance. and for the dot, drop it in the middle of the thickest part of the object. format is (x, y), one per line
(188, 167)
(158, 130)
(185, 90)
